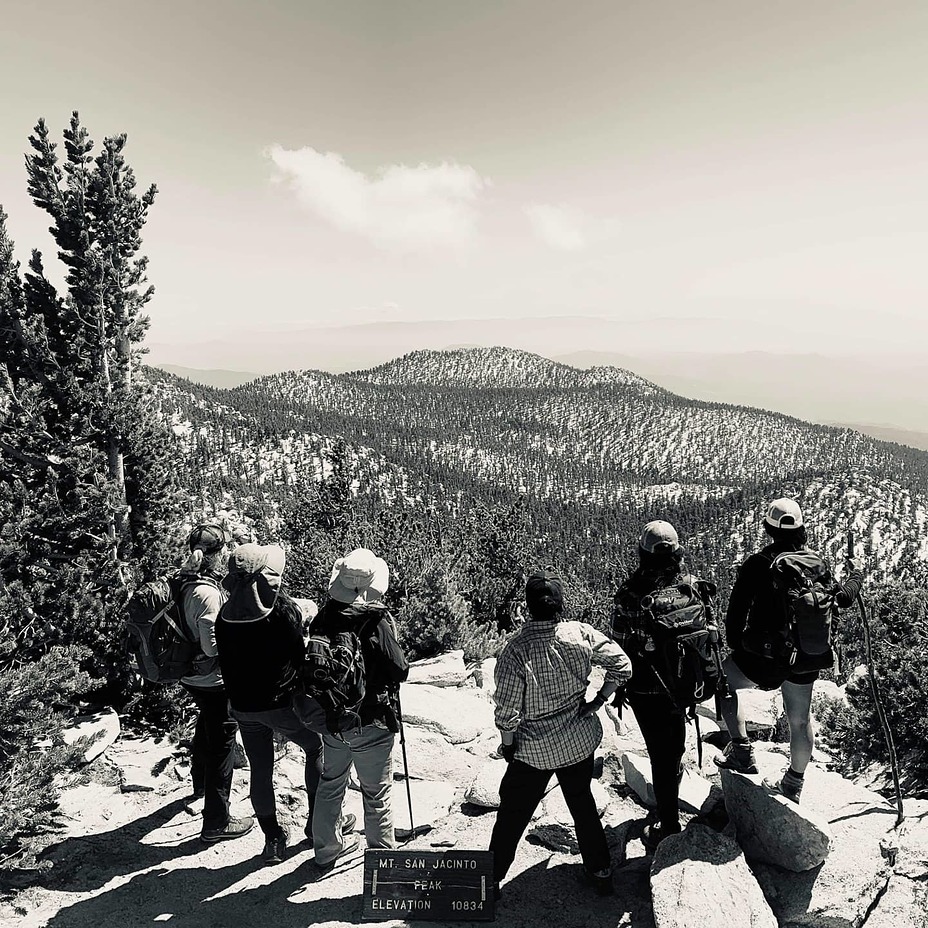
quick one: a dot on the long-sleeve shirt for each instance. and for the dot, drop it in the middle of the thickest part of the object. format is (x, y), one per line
(753, 595)
(201, 601)
(541, 681)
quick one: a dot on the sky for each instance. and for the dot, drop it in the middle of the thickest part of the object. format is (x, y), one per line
(761, 167)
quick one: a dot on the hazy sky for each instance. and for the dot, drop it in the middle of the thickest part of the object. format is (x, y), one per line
(761, 164)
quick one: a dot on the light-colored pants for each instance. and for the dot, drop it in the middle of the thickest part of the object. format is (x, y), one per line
(371, 752)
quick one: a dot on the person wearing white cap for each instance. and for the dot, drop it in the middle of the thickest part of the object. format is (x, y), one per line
(756, 632)
(357, 587)
(661, 720)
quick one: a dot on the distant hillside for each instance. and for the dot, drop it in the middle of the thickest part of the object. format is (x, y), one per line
(593, 454)
(211, 378)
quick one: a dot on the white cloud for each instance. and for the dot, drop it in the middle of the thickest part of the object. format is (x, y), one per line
(557, 226)
(409, 208)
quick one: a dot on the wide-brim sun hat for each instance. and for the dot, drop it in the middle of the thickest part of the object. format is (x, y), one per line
(359, 576)
(253, 581)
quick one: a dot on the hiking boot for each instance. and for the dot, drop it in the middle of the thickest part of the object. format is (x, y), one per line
(234, 828)
(654, 834)
(348, 848)
(348, 823)
(737, 757)
(789, 786)
(275, 848)
(600, 880)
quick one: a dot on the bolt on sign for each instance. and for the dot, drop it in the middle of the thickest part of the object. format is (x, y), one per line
(434, 885)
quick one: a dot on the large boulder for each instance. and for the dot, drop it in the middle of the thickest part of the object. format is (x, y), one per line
(101, 729)
(430, 757)
(903, 905)
(697, 794)
(443, 670)
(843, 889)
(700, 877)
(770, 828)
(458, 714)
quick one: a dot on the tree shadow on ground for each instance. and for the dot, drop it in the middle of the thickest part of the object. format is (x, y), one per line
(86, 862)
(200, 897)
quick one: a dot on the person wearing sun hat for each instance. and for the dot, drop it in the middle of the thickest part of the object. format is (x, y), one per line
(261, 651)
(547, 727)
(755, 615)
(662, 722)
(357, 586)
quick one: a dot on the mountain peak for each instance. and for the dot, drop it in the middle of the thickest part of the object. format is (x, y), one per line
(497, 367)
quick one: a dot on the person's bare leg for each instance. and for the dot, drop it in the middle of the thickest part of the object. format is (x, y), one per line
(797, 702)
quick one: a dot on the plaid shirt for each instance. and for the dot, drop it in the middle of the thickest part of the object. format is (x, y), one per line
(541, 681)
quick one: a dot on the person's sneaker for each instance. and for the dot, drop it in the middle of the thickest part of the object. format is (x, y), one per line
(654, 834)
(348, 848)
(600, 880)
(275, 848)
(789, 786)
(348, 823)
(234, 828)
(737, 757)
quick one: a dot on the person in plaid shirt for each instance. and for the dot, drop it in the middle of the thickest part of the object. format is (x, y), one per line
(547, 726)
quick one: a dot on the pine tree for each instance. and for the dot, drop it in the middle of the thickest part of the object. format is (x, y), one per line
(86, 471)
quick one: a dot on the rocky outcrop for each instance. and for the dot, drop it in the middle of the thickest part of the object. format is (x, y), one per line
(701, 878)
(100, 729)
(483, 791)
(430, 757)
(443, 670)
(770, 828)
(845, 887)
(459, 714)
(552, 824)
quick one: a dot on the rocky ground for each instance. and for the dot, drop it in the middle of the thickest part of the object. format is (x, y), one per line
(130, 853)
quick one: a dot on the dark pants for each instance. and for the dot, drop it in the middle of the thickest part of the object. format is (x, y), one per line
(664, 730)
(213, 753)
(523, 787)
(257, 730)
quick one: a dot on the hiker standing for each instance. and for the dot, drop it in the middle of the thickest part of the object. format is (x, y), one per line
(765, 653)
(547, 727)
(214, 736)
(363, 734)
(653, 692)
(261, 651)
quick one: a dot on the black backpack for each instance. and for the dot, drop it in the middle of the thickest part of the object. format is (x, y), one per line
(806, 591)
(334, 675)
(158, 639)
(679, 641)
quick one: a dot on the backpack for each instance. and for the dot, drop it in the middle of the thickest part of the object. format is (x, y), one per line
(157, 637)
(334, 675)
(806, 593)
(680, 643)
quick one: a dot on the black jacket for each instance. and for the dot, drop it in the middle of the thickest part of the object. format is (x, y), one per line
(753, 596)
(261, 658)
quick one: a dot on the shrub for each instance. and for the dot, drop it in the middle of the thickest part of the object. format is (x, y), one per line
(32, 752)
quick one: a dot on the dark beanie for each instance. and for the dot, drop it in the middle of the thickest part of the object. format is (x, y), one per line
(209, 537)
(544, 595)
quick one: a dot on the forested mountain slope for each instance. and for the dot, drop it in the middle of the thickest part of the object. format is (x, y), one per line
(594, 453)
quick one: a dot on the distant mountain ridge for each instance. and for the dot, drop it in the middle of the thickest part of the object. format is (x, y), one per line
(593, 453)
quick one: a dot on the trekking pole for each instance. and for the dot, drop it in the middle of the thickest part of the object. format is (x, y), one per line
(399, 713)
(875, 692)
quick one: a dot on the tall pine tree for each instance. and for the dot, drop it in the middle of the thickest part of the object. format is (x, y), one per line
(86, 470)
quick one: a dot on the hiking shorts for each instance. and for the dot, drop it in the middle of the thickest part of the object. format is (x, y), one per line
(767, 674)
